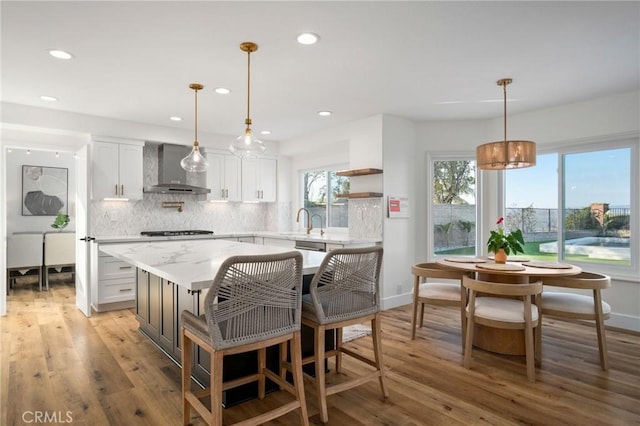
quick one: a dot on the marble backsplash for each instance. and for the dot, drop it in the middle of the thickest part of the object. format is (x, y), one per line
(365, 217)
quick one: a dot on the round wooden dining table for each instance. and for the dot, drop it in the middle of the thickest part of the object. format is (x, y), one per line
(517, 270)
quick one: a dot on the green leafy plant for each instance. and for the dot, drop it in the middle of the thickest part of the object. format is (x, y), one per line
(510, 242)
(61, 221)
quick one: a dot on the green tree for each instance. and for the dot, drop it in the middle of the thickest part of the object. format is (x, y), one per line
(452, 179)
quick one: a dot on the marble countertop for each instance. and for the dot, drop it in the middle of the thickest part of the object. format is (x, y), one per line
(337, 238)
(194, 263)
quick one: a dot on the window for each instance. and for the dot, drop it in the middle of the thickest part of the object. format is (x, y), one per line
(595, 219)
(321, 190)
(531, 203)
(453, 206)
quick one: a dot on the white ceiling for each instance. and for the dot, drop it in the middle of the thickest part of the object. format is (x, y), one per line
(419, 60)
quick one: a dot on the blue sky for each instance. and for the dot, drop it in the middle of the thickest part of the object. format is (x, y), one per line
(601, 176)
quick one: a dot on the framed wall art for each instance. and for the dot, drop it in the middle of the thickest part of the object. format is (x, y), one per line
(44, 190)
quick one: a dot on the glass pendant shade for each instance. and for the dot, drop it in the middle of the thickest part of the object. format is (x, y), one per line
(195, 161)
(505, 154)
(246, 145)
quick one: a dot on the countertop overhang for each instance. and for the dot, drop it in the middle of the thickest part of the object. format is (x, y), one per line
(338, 238)
(194, 263)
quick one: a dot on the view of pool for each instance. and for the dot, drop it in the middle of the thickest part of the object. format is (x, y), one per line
(593, 247)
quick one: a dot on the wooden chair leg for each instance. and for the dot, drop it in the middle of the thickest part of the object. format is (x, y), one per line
(416, 286)
(321, 389)
(528, 343)
(377, 351)
(602, 340)
(421, 320)
(298, 381)
(187, 352)
(468, 340)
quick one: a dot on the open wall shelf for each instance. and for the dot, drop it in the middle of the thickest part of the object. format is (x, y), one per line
(361, 195)
(359, 172)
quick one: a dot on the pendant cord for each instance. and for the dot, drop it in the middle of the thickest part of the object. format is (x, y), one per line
(248, 121)
(504, 89)
(196, 117)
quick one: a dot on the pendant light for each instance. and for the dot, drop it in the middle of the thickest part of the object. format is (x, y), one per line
(506, 154)
(195, 161)
(246, 145)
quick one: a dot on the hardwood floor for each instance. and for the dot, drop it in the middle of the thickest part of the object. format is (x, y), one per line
(102, 371)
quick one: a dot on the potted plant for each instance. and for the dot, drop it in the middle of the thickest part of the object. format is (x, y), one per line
(501, 244)
(60, 222)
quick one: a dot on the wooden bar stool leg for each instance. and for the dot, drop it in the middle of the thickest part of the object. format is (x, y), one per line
(187, 354)
(338, 345)
(262, 364)
(216, 388)
(377, 351)
(298, 381)
(320, 374)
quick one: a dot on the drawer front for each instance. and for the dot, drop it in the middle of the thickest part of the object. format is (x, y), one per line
(117, 291)
(110, 268)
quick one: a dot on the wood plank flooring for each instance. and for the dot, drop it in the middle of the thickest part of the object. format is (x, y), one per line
(102, 371)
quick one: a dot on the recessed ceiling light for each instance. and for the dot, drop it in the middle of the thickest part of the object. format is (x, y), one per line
(60, 54)
(222, 91)
(265, 132)
(308, 38)
(57, 154)
(324, 113)
(174, 118)
(48, 98)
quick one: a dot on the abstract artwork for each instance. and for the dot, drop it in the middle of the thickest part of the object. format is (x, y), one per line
(44, 191)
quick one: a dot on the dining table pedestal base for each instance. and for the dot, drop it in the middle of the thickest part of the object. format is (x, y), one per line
(499, 340)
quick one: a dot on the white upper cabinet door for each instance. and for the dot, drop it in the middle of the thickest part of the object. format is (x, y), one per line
(259, 179)
(267, 179)
(130, 171)
(104, 160)
(233, 177)
(223, 177)
(116, 171)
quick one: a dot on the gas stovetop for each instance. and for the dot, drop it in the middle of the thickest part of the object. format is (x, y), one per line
(174, 233)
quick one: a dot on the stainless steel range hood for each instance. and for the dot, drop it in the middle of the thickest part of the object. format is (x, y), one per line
(172, 179)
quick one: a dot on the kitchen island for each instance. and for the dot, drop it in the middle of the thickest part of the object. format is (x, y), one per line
(174, 276)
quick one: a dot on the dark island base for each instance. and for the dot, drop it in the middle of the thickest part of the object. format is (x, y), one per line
(159, 304)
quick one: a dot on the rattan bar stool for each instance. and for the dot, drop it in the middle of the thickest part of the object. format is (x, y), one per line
(345, 291)
(254, 302)
(578, 306)
(426, 291)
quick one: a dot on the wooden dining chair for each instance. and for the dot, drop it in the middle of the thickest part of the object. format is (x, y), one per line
(520, 312)
(579, 306)
(430, 289)
(253, 303)
(344, 291)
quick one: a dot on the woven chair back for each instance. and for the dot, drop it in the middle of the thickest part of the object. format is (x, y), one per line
(254, 298)
(347, 284)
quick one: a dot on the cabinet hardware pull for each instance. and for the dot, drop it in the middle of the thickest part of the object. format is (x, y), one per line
(126, 267)
(123, 290)
(116, 189)
(122, 190)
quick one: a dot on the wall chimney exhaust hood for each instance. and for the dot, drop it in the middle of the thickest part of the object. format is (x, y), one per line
(172, 179)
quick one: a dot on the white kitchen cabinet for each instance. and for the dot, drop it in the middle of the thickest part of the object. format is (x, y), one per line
(277, 242)
(259, 179)
(223, 177)
(116, 170)
(114, 284)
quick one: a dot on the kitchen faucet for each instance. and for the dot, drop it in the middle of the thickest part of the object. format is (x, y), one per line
(309, 226)
(320, 217)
